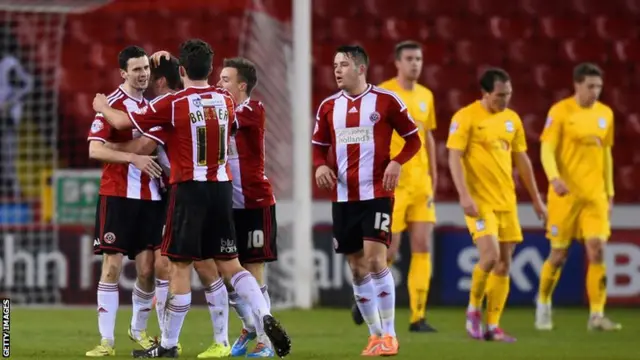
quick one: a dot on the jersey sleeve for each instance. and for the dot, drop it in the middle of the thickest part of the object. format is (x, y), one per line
(459, 132)
(321, 133)
(431, 119)
(519, 142)
(400, 119)
(157, 113)
(157, 133)
(608, 139)
(100, 129)
(553, 127)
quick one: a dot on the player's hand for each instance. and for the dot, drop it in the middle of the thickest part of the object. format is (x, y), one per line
(155, 58)
(325, 177)
(100, 103)
(147, 165)
(469, 207)
(541, 210)
(391, 175)
(559, 187)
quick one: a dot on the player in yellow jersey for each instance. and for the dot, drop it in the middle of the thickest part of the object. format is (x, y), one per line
(484, 138)
(576, 156)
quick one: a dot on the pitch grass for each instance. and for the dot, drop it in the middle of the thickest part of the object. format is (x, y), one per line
(330, 334)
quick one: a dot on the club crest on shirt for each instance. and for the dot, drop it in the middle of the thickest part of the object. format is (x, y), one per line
(374, 117)
(453, 127)
(197, 102)
(480, 225)
(554, 230)
(548, 123)
(602, 123)
(423, 106)
(509, 126)
(96, 126)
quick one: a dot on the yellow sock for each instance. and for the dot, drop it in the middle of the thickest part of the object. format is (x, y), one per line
(418, 281)
(597, 287)
(496, 298)
(478, 286)
(548, 280)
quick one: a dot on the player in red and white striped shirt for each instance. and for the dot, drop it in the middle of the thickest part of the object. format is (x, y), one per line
(129, 218)
(200, 220)
(357, 123)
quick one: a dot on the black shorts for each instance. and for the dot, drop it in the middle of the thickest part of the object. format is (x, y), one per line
(127, 226)
(256, 232)
(200, 222)
(357, 221)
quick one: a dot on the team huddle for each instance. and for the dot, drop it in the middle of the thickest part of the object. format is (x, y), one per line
(184, 187)
(374, 151)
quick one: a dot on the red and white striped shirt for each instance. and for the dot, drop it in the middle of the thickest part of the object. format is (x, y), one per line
(122, 180)
(251, 187)
(197, 122)
(359, 129)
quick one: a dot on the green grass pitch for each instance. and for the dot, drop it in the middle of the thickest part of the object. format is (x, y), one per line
(330, 334)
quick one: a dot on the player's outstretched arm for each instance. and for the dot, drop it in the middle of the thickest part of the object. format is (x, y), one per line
(100, 151)
(116, 118)
(457, 174)
(523, 164)
(141, 146)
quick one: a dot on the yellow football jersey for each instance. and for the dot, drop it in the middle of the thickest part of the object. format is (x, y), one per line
(580, 136)
(420, 105)
(487, 141)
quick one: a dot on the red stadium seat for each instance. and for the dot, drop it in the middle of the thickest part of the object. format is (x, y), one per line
(430, 8)
(328, 9)
(510, 28)
(621, 99)
(455, 28)
(383, 8)
(585, 50)
(543, 7)
(631, 6)
(379, 73)
(379, 52)
(627, 51)
(619, 75)
(560, 28)
(528, 101)
(631, 127)
(527, 52)
(396, 30)
(493, 7)
(613, 28)
(324, 78)
(549, 77)
(436, 52)
(457, 99)
(345, 30)
(438, 78)
(593, 7)
(474, 53)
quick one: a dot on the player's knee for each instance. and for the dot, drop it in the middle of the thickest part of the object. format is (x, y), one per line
(161, 267)
(376, 262)
(595, 250)
(145, 275)
(207, 271)
(111, 268)
(489, 258)
(502, 268)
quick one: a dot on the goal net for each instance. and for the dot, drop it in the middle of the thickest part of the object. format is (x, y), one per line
(60, 53)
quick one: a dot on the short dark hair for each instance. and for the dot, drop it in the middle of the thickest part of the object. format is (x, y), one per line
(168, 69)
(196, 56)
(246, 71)
(355, 52)
(581, 71)
(130, 52)
(406, 45)
(490, 76)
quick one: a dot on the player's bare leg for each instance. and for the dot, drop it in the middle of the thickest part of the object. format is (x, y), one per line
(549, 276)
(489, 252)
(419, 276)
(108, 301)
(142, 299)
(497, 291)
(247, 288)
(218, 304)
(597, 287)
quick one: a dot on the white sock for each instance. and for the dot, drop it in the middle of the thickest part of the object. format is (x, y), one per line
(386, 293)
(142, 302)
(218, 303)
(243, 310)
(177, 308)
(247, 287)
(162, 291)
(365, 295)
(108, 300)
(471, 308)
(265, 294)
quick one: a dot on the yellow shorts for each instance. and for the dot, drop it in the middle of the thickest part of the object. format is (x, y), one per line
(409, 207)
(571, 218)
(504, 225)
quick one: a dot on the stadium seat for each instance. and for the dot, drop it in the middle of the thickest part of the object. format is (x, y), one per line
(510, 29)
(429, 8)
(456, 28)
(395, 30)
(436, 52)
(581, 50)
(591, 7)
(470, 52)
(621, 99)
(327, 9)
(324, 78)
(613, 28)
(529, 101)
(457, 98)
(492, 7)
(527, 52)
(439, 78)
(559, 28)
(383, 8)
(345, 30)
(539, 8)
(631, 6)
(627, 51)
(548, 77)
(379, 73)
